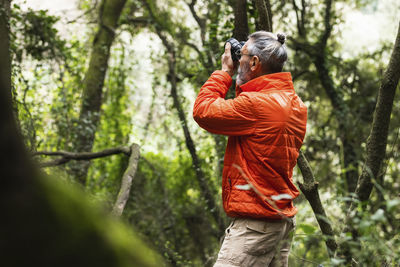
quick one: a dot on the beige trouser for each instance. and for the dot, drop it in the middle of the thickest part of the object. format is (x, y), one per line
(252, 242)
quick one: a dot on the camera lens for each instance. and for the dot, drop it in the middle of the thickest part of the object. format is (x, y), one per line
(235, 48)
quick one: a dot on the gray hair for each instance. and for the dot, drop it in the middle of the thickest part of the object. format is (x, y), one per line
(270, 49)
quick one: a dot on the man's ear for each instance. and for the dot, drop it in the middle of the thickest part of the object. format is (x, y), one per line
(255, 63)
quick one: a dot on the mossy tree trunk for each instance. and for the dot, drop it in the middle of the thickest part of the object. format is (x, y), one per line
(44, 221)
(92, 86)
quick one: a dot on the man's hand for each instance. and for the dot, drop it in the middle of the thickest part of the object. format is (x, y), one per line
(227, 63)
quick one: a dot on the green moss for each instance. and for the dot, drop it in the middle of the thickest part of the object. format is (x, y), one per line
(65, 229)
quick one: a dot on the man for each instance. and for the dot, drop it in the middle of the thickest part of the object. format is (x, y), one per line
(266, 124)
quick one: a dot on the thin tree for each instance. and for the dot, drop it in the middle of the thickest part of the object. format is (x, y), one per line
(206, 190)
(376, 144)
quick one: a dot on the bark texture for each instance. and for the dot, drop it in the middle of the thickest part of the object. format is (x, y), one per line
(109, 13)
(126, 182)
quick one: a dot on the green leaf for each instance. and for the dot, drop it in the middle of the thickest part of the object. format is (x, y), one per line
(307, 228)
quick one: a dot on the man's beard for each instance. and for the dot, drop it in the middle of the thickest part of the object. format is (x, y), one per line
(243, 75)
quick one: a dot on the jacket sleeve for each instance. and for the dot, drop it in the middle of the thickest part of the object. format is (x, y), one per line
(217, 115)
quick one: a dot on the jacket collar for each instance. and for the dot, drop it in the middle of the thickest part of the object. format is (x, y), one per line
(279, 80)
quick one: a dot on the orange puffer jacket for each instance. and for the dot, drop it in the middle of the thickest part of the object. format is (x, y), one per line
(266, 124)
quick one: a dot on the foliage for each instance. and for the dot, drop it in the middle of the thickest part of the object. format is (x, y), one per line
(165, 205)
(170, 212)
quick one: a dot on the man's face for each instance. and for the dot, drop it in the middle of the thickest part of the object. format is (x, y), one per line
(244, 71)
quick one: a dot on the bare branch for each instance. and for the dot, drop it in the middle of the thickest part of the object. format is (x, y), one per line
(136, 21)
(126, 182)
(200, 21)
(327, 23)
(310, 190)
(67, 156)
(93, 8)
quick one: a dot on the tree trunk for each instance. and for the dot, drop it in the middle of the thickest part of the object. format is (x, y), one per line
(241, 30)
(51, 224)
(264, 15)
(109, 13)
(377, 140)
(340, 108)
(13, 154)
(376, 143)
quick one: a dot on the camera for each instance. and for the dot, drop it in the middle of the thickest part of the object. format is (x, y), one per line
(235, 48)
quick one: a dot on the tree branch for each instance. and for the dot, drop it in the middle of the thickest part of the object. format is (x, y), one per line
(327, 23)
(299, 19)
(67, 156)
(303, 14)
(200, 21)
(310, 191)
(136, 21)
(126, 182)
